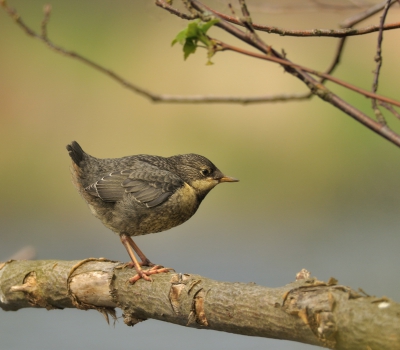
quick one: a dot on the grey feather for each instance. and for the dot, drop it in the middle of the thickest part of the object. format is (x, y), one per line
(146, 183)
(109, 187)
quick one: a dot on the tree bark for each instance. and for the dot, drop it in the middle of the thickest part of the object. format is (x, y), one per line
(307, 310)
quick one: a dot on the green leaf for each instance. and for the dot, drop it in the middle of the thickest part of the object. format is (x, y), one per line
(208, 25)
(192, 34)
(180, 38)
(188, 48)
(193, 29)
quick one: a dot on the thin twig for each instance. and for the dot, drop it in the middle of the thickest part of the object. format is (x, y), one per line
(336, 59)
(176, 12)
(378, 60)
(333, 33)
(285, 62)
(46, 19)
(357, 18)
(349, 23)
(273, 7)
(195, 6)
(390, 109)
(272, 55)
(316, 88)
(296, 70)
(164, 98)
(233, 99)
(245, 10)
(313, 32)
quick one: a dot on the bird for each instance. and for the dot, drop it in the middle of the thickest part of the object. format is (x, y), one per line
(142, 194)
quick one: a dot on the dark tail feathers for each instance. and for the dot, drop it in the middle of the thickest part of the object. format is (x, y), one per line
(75, 152)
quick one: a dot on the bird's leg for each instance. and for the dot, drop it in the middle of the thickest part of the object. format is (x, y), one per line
(145, 260)
(126, 241)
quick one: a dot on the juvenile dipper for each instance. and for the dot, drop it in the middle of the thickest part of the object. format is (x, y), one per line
(142, 194)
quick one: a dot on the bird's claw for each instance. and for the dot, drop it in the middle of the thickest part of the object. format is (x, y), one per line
(146, 273)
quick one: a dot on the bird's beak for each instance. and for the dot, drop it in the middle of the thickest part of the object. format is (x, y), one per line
(228, 179)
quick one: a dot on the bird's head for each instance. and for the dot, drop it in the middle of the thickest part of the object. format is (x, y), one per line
(199, 172)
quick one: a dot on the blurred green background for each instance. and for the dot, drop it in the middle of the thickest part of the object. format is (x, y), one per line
(317, 190)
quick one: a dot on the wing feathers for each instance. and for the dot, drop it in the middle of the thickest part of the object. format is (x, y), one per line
(108, 188)
(160, 199)
(146, 183)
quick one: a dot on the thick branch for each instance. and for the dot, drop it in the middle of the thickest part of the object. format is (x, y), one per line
(307, 311)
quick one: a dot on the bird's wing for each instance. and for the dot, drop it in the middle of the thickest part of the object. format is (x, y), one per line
(151, 185)
(146, 183)
(109, 187)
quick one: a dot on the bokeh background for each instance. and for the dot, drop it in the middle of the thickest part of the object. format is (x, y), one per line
(317, 190)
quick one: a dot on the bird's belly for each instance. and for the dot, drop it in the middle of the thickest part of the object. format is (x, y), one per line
(136, 219)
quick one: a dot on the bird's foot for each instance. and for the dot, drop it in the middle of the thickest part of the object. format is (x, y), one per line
(146, 273)
(141, 263)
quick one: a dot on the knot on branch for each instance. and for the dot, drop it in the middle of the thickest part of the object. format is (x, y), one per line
(34, 291)
(314, 304)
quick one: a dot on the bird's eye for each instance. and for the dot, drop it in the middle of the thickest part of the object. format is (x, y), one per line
(205, 172)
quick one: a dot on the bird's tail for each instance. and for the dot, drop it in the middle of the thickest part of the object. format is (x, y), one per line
(76, 152)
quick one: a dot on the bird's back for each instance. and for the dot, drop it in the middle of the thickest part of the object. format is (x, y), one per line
(88, 169)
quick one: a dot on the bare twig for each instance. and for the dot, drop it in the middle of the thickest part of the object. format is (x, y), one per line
(206, 99)
(310, 6)
(195, 6)
(334, 33)
(199, 10)
(316, 88)
(336, 59)
(378, 60)
(359, 17)
(164, 98)
(343, 33)
(285, 62)
(176, 12)
(46, 19)
(349, 23)
(390, 109)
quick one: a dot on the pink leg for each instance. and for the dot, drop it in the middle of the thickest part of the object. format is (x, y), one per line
(129, 244)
